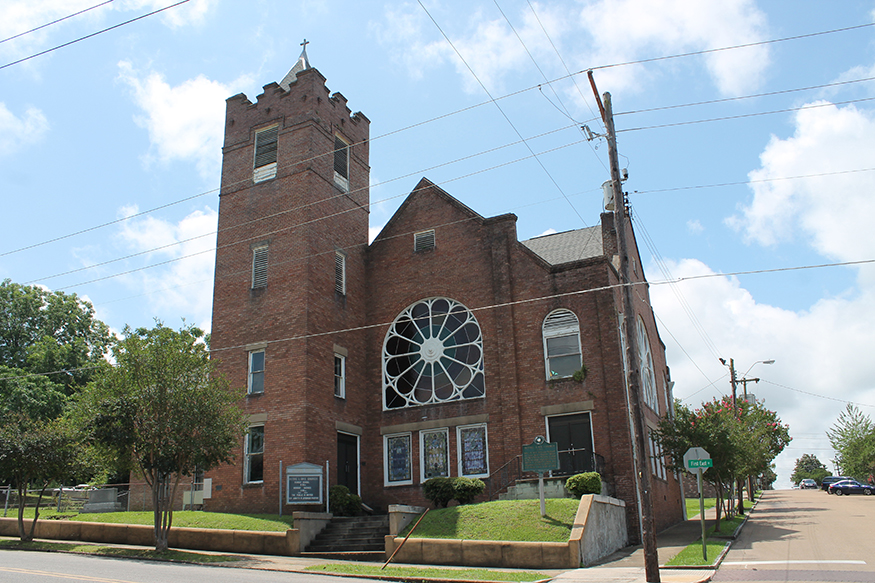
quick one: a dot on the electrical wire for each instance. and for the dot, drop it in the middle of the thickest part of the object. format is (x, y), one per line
(42, 26)
(93, 34)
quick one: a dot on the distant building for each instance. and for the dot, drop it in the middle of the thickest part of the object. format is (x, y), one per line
(438, 350)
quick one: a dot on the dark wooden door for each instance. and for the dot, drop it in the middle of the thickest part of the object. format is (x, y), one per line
(348, 462)
(573, 433)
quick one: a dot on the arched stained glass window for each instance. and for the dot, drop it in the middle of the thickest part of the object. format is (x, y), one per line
(433, 353)
(648, 378)
(561, 344)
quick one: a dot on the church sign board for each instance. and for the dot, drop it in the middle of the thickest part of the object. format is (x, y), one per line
(304, 484)
(540, 456)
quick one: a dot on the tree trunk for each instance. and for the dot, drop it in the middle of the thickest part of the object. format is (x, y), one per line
(740, 485)
(22, 500)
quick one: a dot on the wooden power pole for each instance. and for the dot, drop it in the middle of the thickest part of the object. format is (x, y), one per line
(642, 471)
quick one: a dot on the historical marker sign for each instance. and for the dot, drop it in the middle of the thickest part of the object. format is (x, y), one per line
(541, 456)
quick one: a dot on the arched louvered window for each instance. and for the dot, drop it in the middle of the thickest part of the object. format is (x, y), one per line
(648, 377)
(433, 353)
(562, 353)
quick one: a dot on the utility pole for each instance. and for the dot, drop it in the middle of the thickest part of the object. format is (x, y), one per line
(738, 483)
(648, 534)
(750, 490)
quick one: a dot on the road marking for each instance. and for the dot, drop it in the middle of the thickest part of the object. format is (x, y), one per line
(62, 575)
(803, 562)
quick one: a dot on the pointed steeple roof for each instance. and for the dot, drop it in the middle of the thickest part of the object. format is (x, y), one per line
(302, 65)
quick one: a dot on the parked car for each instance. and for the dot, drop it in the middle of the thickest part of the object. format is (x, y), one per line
(825, 483)
(808, 484)
(850, 487)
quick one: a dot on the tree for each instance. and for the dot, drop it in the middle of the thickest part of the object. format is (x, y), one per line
(853, 439)
(741, 438)
(45, 332)
(163, 412)
(33, 452)
(808, 466)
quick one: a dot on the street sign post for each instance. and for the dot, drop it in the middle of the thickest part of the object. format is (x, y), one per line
(541, 456)
(697, 460)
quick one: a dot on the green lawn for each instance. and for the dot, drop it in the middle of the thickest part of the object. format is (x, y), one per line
(693, 506)
(502, 520)
(692, 555)
(184, 518)
(428, 572)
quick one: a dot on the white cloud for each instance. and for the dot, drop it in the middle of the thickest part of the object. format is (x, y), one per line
(185, 122)
(191, 13)
(695, 227)
(18, 132)
(833, 212)
(590, 33)
(823, 350)
(549, 231)
(184, 286)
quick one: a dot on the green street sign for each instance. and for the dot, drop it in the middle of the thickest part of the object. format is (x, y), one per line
(692, 464)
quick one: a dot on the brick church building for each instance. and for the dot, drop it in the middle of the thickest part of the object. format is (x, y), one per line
(439, 349)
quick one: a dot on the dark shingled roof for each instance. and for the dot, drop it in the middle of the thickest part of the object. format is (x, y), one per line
(568, 246)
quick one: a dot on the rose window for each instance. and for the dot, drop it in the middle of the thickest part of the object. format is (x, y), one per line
(433, 353)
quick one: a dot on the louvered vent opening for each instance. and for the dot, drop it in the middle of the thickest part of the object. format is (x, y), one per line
(259, 267)
(341, 157)
(265, 147)
(340, 273)
(423, 241)
(560, 321)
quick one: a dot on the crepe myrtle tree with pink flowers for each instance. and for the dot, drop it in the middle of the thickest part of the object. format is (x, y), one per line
(742, 438)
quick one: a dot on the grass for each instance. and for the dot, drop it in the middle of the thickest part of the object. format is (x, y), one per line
(502, 520)
(186, 518)
(692, 555)
(85, 549)
(426, 572)
(693, 505)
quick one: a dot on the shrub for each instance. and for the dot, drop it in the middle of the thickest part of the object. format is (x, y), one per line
(466, 489)
(343, 503)
(439, 490)
(585, 483)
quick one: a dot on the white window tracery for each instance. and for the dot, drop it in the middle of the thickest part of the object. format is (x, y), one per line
(562, 354)
(432, 353)
(645, 359)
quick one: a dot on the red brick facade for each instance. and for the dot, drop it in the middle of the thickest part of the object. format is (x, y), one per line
(301, 321)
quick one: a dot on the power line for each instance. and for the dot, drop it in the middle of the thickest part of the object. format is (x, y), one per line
(734, 47)
(817, 395)
(93, 34)
(56, 21)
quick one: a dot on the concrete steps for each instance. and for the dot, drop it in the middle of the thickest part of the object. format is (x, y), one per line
(351, 538)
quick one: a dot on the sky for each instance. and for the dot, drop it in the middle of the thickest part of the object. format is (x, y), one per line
(746, 127)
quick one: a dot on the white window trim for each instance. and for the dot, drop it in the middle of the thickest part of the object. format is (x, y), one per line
(461, 466)
(386, 438)
(266, 171)
(560, 332)
(422, 460)
(339, 179)
(342, 393)
(250, 372)
(246, 456)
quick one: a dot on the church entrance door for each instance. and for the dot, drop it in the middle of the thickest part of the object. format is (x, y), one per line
(348, 461)
(573, 433)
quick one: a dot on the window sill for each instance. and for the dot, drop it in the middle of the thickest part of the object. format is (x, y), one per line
(250, 485)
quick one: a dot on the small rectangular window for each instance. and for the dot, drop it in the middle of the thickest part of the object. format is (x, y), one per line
(339, 376)
(423, 241)
(396, 459)
(256, 372)
(264, 166)
(340, 273)
(254, 455)
(341, 163)
(259, 267)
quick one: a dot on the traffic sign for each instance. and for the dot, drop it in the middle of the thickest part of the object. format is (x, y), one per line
(691, 464)
(697, 459)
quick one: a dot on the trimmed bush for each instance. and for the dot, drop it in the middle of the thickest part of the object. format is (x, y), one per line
(343, 503)
(466, 489)
(439, 490)
(585, 483)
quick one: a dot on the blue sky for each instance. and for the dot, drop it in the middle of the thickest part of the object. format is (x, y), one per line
(131, 120)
